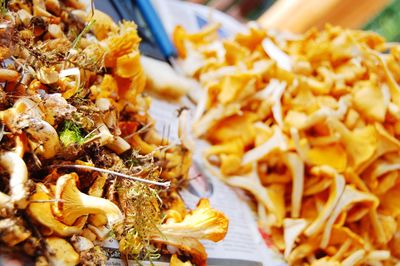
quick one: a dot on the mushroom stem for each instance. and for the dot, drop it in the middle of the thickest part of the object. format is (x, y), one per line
(5, 201)
(18, 171)
(20, 144)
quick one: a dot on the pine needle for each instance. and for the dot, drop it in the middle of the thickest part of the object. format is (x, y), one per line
(1, 131)
(83, 32)
(140, 131)
(46, 201)
(92, 168)
(92, 7)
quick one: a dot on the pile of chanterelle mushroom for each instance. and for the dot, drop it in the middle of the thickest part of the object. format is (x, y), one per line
(80, 159)
(309, 126)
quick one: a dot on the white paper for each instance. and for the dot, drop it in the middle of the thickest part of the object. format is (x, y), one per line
(243, 244)
(194, 16)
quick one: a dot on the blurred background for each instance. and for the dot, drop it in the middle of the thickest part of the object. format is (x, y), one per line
(382, 16)
(240, 9)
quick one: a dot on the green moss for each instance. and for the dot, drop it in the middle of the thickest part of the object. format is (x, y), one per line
(71, 133)
(3, 7)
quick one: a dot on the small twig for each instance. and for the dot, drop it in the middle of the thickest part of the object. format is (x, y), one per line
(143, 129)
(125, 259)
(163, 149)
(46, 201)
(191, 99)
(168, 134)
(162, 135)
(182, 181)
(92, 168)
(92, 7)
(83, 32)
(93, 138)
(1, 131)
(36, 232)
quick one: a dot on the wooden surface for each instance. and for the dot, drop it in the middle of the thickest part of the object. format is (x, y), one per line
(300, 15)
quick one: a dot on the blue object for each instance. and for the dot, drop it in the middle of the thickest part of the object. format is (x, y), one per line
(156, 27)
(160, 48)
(202, 22)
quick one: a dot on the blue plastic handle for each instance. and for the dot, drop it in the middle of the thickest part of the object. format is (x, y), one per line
(156, 27)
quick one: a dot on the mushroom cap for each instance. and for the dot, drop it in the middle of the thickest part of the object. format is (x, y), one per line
(42, 213)
(61, 252)
(73, 204)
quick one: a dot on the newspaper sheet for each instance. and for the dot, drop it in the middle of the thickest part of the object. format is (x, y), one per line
(194, 17)
(244, 244)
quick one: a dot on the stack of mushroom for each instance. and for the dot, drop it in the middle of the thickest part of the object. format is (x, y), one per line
(80, 158)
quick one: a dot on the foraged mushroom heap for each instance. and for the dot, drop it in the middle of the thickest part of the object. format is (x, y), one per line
(80, 159)
(309, 125)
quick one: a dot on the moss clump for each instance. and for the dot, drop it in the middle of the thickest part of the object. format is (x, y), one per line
(71, 133)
